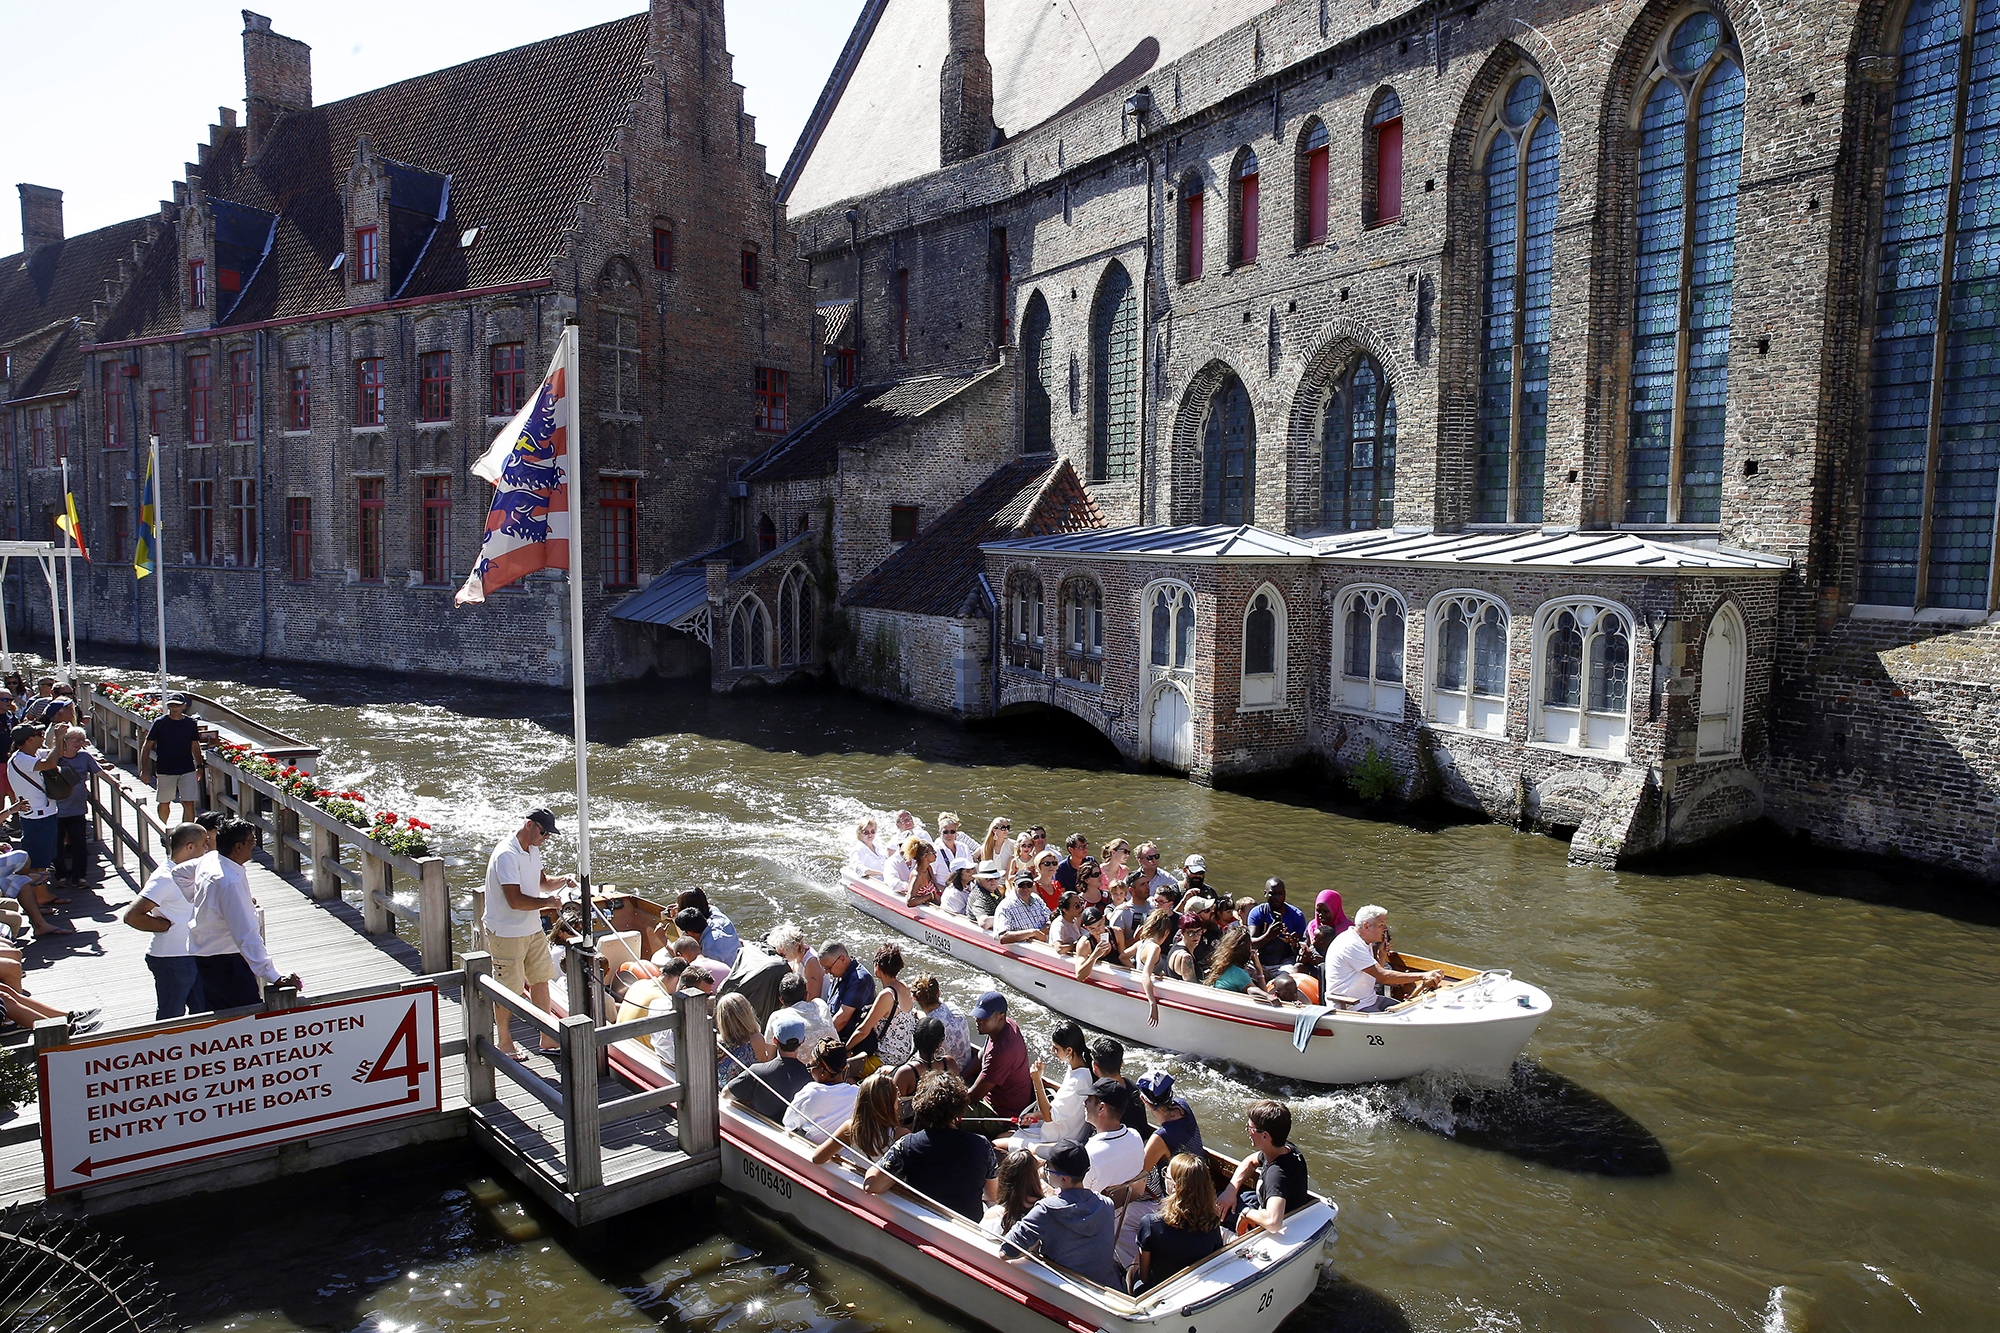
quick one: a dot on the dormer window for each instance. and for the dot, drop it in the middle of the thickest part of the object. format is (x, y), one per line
(367, 254)
(197, 284)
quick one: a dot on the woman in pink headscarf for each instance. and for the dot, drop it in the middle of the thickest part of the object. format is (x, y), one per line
(1329, 919)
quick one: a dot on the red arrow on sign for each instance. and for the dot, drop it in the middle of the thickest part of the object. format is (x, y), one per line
(86, 1166)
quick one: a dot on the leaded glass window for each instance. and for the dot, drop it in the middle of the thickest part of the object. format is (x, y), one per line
(1514, 348)
(1024, 620)
(1171, 630)
(749, 635)
(1934, 418)
(1586, 676)
(1229, 456)
(1469, 663)
(1038, 356)
(1690, 150)
(1081, 626)
(1114, 351)
(1371, 670)
(1263, 683)
(1358, 481)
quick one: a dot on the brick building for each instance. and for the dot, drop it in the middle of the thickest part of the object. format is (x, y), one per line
(342, 302)
(1561, 402)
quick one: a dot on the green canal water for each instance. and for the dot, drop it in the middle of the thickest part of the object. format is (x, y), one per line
(1765, 1099)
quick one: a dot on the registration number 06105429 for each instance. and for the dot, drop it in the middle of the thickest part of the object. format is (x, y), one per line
(937, 939)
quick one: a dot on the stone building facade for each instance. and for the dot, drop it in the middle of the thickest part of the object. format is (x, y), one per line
(1599, 350)
(342, 303)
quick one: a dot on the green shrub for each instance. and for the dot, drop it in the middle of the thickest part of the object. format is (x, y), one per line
(1374, 778)
(18, 1085)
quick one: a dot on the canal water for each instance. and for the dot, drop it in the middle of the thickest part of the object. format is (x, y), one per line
(1765, 1099)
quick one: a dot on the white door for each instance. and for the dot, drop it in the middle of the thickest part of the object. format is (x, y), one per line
(1170, 731)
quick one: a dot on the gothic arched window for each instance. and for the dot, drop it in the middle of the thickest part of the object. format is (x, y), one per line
(1358, 483)
(1114, 355)
(1229, 456)
(1586, 668)
(1038, 359)
(749, 636)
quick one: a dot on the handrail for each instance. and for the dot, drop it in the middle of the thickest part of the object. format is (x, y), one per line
(496, 993)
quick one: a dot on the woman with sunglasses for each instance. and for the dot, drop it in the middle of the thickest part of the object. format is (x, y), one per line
(1116, 862)
(999, 845)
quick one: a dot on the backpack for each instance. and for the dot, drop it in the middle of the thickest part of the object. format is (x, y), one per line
(60, 782)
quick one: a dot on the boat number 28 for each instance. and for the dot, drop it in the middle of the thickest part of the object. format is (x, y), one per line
(1374, 1040)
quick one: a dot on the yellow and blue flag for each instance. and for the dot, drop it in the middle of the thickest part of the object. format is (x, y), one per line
(149, 524)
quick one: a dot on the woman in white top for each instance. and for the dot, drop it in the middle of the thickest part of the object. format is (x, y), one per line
(999, 845)
(789, 943)
(868, 861)
(1062, 1115)
(951, 844)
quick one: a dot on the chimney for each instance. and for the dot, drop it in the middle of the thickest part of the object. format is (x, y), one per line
(966, 96)
(41, 217)
(277, 77)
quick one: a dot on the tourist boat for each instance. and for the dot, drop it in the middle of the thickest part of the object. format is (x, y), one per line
(1249, 1286)
(1476, 1024)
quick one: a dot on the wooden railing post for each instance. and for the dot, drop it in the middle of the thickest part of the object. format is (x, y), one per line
(583, 1149)
(699, 1118)
(376, 877)
(478, 1024)
(434, 915)
(576, 983)
(325, 847)
(97, 813)
(285, 854)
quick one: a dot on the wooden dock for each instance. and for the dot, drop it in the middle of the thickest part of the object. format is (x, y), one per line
(607, 1148)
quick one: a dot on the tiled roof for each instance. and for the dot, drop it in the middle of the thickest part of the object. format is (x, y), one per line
(938, 573)
(1168, 543)
(55, 286)
(1620, 552)
(520, 135)
(853, 419)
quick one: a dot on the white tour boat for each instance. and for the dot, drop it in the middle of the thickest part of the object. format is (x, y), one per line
(1249, 1286)
(1476, 1024)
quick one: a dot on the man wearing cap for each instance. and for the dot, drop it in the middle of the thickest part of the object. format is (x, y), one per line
(1194, 876)
(1023, 915)
(1074, 1227)
(1004, 1082)
(986, 892)
(517, 893)
(821, 1107)
(1117, 1152)
(768, 1088)
(170, 758)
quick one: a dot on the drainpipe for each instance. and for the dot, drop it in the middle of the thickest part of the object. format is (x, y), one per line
(993, 638)
(1138, 106)
(860, 287)
(263, 507)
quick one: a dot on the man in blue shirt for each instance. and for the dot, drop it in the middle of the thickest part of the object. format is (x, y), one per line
(1275, 929)
(853, 990)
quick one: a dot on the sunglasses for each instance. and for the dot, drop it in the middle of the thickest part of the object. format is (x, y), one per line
(1150, 856)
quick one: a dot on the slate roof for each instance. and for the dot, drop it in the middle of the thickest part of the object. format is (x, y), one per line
(520, 135)
(672, 596)
(938, 573)
(1214, 542)
(856, 417)
(44, 296)
(1612, 552)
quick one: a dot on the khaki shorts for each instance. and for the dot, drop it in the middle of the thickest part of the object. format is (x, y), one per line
(171, 787)
(520, 960)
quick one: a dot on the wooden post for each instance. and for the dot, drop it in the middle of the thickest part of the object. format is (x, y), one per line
(583, 1149)
(434, 921)
(376, 878)
(576, 987)
(699, 1124)
(286, 855)
(478, 1023)
(325, 847)
(97, 813)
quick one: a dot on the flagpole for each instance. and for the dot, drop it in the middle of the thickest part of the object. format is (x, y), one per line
(573, 441)
(69, 567)
(159, 566)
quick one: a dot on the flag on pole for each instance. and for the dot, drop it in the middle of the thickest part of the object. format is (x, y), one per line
(67, 521)
(149, 524)
(528, 464)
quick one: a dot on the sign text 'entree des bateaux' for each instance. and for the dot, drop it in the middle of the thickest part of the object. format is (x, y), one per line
(150, 1100)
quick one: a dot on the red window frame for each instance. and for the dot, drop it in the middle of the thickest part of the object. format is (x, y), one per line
(663, 250)
(59, 430)
(434, 397)
(114, 405)
(437, 529)
(301, 508)
(121, 532)
(197, 284)
(771, 394)
(201, 521)
(1197, 209)
(844, 359)
(6, 438)
(767, 535)
(1389, 170)
(157, 407)
(750, 273)
(368, 528)
(199, 398)
(369, 392)
(903, 313)
(243, 520)
(617, 531)
(510, 378)
(301, 398)
(242, 398)
(1316, 194)
(1246, 216)
(38, 437)
(367, 254)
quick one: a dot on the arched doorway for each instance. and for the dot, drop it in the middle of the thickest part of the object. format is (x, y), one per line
(1169, 729)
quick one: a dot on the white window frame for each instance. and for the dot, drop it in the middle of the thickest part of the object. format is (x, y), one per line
(1719, 733)
(1582, 729)
(1180, 601)
(1263, 692)
(1465, 708)
(1369, 694)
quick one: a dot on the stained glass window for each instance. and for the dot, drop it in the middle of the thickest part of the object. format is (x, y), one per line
(1039, 358)
(1933, 442)
(1228, 456)
(1514, 348)
(1358, 481)
(1690, 150)
(1114, 353)
(1586, 676)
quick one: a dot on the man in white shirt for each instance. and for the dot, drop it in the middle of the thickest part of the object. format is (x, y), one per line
(822, 1107)
(165, 908)
(225, 938)
(518, 891)
(1353, 971)
(28, 773)
(1117, 1153)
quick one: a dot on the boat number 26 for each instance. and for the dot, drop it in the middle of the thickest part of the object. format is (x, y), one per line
(1264, 1301)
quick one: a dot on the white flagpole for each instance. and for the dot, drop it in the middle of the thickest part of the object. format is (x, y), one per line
(573, 480)
(69, 570)
(160, 567)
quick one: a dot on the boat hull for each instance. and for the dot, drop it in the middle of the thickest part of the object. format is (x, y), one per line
(1477, 1031)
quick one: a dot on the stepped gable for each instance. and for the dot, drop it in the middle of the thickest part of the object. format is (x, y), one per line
(46, 295)
(853, 420)
(520, 135)
(937, 574)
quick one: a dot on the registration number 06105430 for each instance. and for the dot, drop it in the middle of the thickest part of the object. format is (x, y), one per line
(769, 1179)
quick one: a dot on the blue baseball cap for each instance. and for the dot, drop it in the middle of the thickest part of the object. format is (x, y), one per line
(989, 1004)
(788, 1029)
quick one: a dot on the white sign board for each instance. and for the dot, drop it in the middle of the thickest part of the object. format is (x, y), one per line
(124, 1105)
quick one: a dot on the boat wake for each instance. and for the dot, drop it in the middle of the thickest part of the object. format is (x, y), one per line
(1535, 1114)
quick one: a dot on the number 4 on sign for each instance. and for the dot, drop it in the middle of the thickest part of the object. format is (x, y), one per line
(402, 1046)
